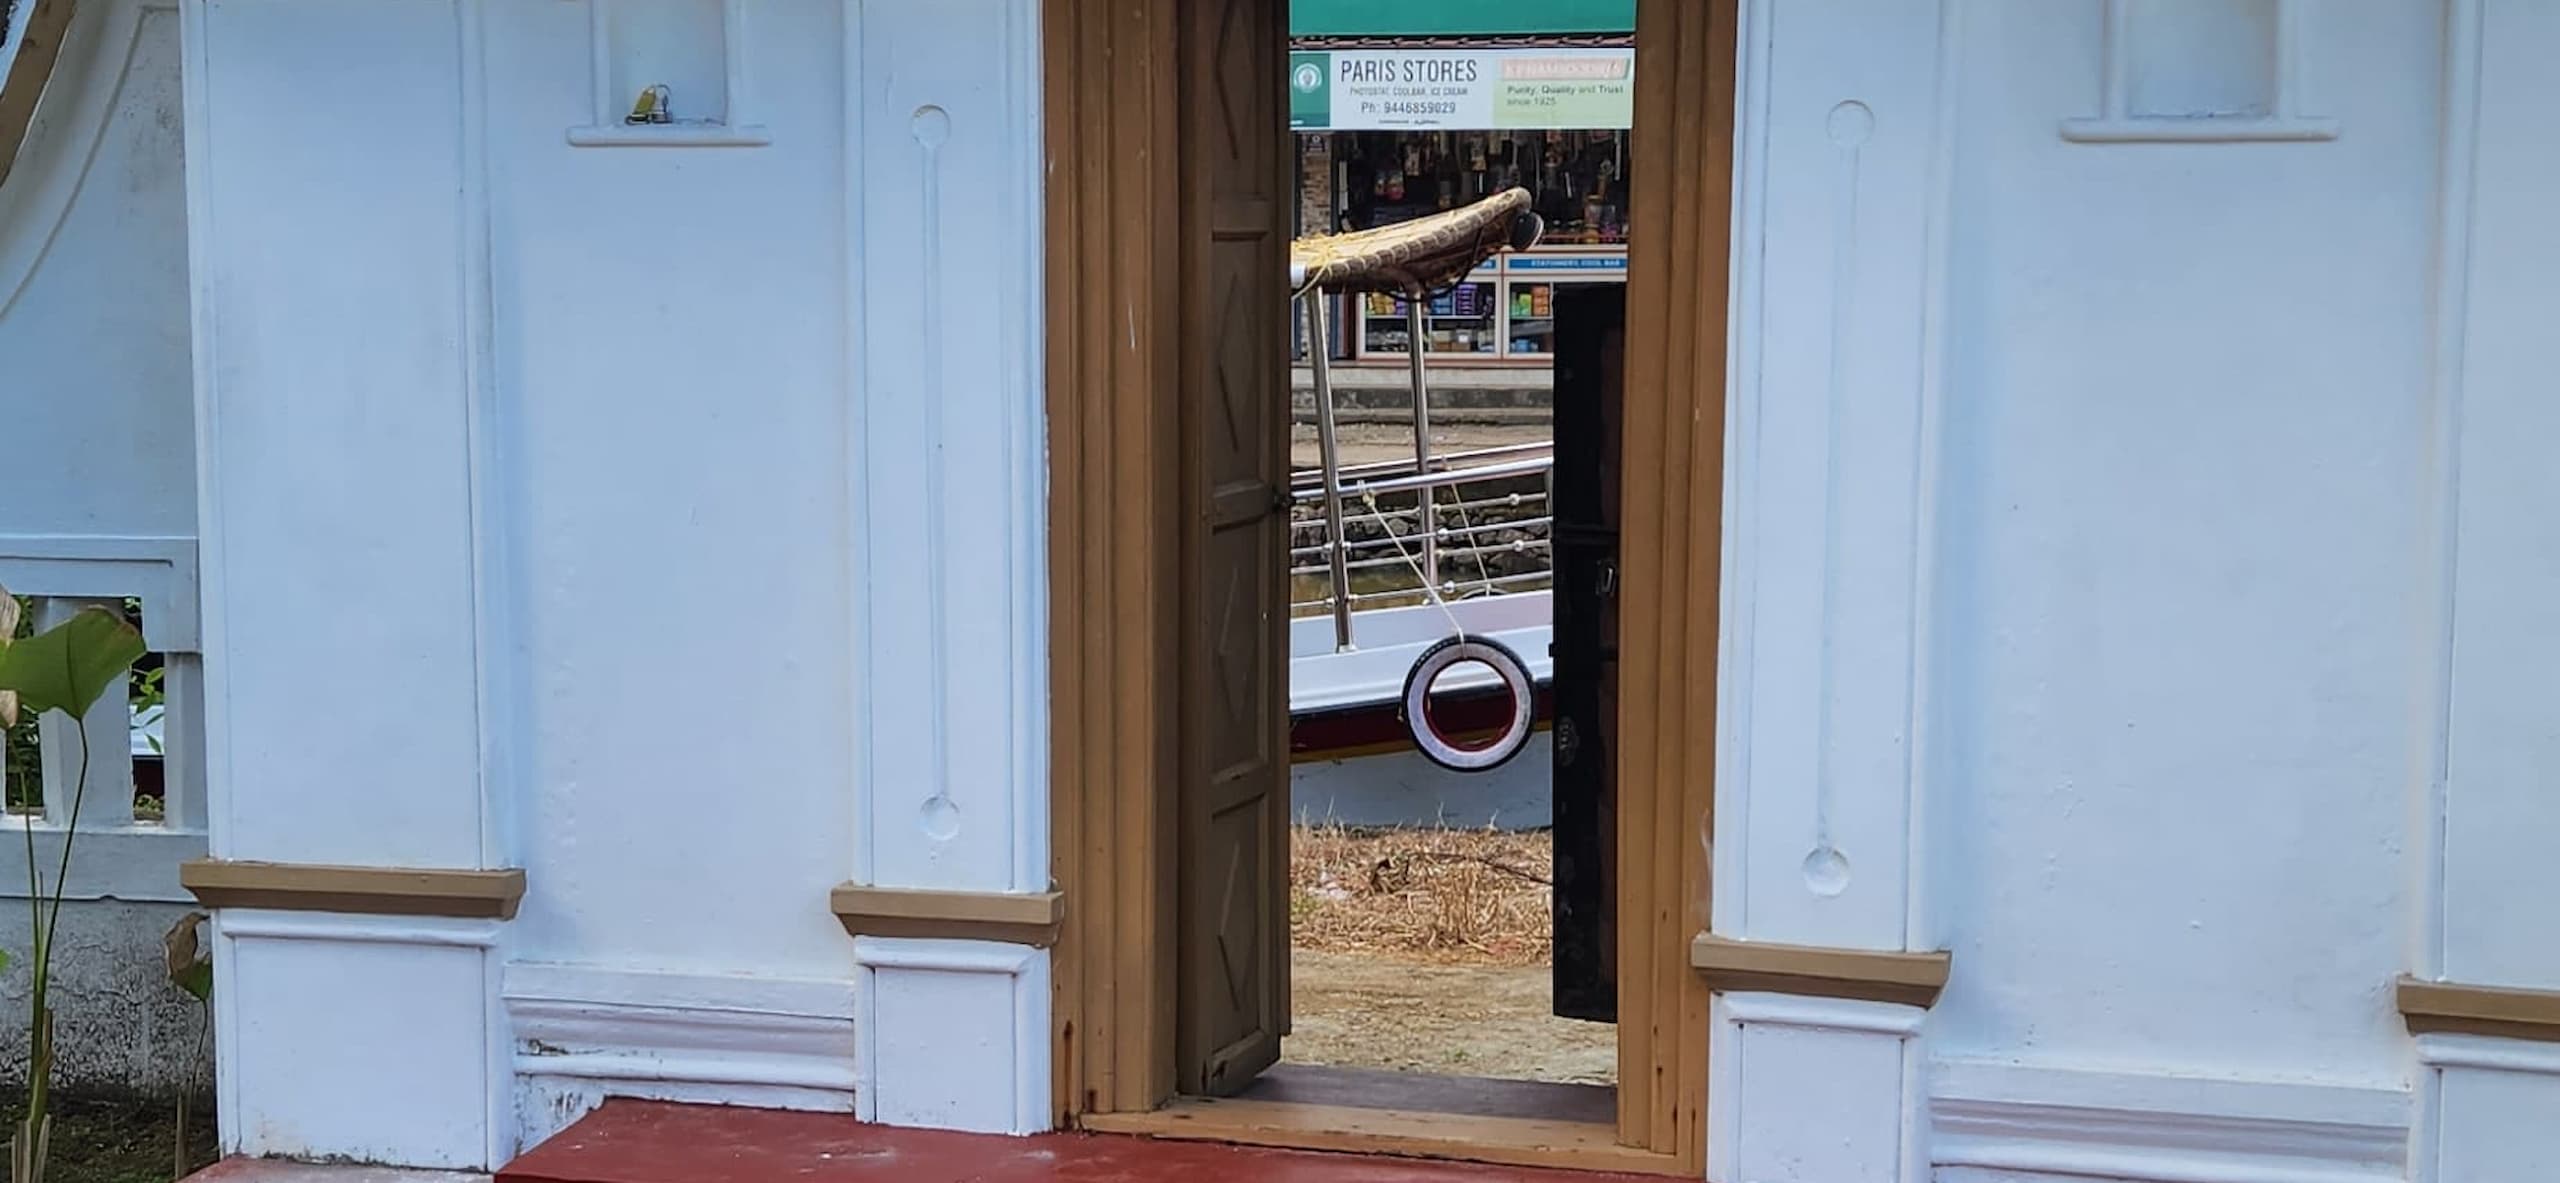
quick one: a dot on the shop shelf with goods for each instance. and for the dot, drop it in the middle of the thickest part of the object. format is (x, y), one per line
(1502, 312)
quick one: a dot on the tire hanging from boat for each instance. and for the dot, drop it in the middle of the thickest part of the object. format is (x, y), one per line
(1439, 659)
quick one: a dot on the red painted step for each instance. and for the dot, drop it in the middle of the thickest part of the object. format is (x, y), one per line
(651, 1142)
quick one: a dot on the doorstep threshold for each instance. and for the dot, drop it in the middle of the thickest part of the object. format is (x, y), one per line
(1301, 1125)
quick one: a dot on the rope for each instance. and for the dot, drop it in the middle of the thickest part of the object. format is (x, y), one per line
(1430, 586)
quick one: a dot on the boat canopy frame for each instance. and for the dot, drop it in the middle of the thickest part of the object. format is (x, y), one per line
(1416, 260)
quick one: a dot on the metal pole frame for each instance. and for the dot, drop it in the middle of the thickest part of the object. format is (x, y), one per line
(1427, 514)
(1329, 450)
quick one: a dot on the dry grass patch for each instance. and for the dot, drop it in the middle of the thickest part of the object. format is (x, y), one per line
(1481, 896)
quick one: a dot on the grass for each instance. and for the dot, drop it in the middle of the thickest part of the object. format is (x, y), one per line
(122, 1141)
(1449, 895)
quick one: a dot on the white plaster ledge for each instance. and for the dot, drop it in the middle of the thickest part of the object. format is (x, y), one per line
(669, 135)
(160, 571)
(599, 1024)
(136, 863)
(269, 1170)
(2531, 1057)
(2212, 130)
(2162, 1128)
(1823, 1014)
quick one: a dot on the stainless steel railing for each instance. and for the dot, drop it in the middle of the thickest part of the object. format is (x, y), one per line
(1493, 520)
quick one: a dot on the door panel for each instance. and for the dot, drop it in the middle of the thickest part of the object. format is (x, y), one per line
(1232, 999)
(1590, 331)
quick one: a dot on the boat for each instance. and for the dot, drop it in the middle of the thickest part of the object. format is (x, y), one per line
(1406, 638)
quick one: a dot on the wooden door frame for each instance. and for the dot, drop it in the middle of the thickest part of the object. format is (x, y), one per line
(1114, 368)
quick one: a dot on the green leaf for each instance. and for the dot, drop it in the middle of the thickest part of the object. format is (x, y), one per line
(67, 667)
(197, 979)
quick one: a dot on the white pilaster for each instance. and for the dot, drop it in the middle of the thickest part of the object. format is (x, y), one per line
(2487, 811)
(1842, 158)
(946, 491)
(336, 210)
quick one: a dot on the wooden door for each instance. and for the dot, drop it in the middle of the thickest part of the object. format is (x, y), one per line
(1234, 791)
(1590, 322)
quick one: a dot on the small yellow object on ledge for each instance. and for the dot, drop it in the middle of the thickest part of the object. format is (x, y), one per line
(651, 107)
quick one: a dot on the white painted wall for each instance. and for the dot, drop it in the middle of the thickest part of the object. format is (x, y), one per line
(93, 310)
(2111, 491)
(97, 497)
(631, 460)
(2100, 474)
(2174, 645)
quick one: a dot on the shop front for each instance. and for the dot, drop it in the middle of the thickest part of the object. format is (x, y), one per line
(1410, 109)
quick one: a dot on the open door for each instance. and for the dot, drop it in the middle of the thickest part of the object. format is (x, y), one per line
(1590, 336)
(1232, 994)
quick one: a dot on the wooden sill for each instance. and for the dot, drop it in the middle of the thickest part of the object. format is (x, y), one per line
(1904, 979)
(1287, 1125)
(369, 891)
(2455, 1008)
(1025, 918)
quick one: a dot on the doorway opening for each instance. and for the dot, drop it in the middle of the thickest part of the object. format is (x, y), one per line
(1170, 215)
(1450, 908)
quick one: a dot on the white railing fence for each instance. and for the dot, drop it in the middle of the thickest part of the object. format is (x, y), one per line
(121, 1026)
(127, 734)
(145, 809)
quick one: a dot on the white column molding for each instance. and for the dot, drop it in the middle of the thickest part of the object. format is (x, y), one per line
(2484, 804)
(1826, 1089)
(1840, 210)
(945, 511)
(302, 1072)
(945, 486)
(954, 1035)
(1841, 177)
(354, 577)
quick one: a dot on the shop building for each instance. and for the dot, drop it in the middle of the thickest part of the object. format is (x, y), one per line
(1409, 109)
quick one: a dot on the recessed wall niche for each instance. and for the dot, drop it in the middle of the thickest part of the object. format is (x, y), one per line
(2200, 70)
(668, 73)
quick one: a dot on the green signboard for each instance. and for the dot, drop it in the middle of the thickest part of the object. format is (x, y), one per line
(1458, 18)
(1461, 89)
(1310, 90)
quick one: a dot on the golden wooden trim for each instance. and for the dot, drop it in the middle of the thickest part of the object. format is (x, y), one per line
(39, 49)
(1110, 120)
(2452, 1008)
(371, 891)
(1671, 497)
(1911, 979)
(1508, 1141)
(1020, 918)
(1116, 189)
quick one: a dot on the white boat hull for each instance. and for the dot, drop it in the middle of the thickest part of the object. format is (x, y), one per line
(1386, 641)
(1399, 786)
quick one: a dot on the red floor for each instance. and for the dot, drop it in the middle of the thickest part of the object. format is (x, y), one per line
(648, 1142)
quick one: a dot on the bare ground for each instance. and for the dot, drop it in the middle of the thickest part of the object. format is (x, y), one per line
(1373, 1011)
(1427, 950)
